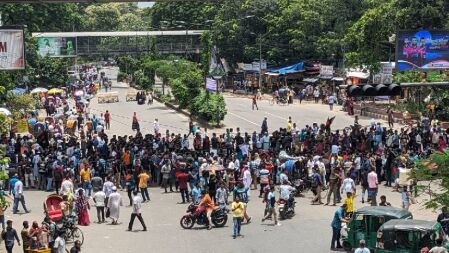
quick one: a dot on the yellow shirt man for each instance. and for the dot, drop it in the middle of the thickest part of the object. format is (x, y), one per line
(237, 209)
(143, 180)
(85, 174)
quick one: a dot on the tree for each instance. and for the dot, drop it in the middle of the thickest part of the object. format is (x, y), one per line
(206, 45)
(435, 172)
(51, 72)
(20, 102)
(187, 87)
(103, 17)
(210, 107)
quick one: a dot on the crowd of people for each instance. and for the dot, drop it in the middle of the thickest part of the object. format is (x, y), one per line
(90, 164)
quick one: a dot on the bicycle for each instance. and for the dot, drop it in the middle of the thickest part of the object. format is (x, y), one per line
(72, 232)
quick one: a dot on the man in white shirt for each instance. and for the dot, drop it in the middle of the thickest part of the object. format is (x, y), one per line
(156, 126)
(137, 212)
(18, 196)
(107, 189)
(347, 185)
(285, 191)
(59, 244)
(99, 199)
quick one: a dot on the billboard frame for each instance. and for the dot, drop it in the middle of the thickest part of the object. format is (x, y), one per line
(398, 32)
(21, 29)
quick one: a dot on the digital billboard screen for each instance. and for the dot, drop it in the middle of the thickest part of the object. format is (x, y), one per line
(423, 50)
(56, 46)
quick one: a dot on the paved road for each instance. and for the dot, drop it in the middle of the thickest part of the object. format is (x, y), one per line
(239, 114)
(308, 231)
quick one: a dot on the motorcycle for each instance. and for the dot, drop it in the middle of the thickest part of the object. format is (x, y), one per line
(219, 217)
(287, 207)
(301, 185)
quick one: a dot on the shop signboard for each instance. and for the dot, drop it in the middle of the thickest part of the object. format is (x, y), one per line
(12, 53)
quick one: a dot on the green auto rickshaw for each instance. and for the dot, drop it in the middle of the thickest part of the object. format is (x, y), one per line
(366, 221)
(408, 236)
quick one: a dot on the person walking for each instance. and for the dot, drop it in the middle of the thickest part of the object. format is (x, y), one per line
(107, 119)
(372, 186)
(82, 208)
(86, 176)
(254, 104)
(99, 200)
(137, 212)
(317, 185)
(114, 203)
(135, 123)
(9, 235)
(331, 101)
(183, 178)
(156, 127)
(333, 186)
(339, 218)
(270, 208)
(143, 185)
(237, 208)
(19, 197)
(390, 118)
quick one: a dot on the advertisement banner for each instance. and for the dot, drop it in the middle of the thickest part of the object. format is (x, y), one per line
(424, 50)
(326, 71)
(211, 84)
(12, 54)
(56, 46)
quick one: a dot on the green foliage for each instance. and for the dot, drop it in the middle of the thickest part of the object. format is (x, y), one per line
(186, 87)
(20, 102)
(435, 173)
(121, 76)
(128, 64)
(142, 80)
(206, 45)
(210, 107)
(5, 123)
(51, 72)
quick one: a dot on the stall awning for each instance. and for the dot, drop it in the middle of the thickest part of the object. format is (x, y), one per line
(298, 67)
(310, 80)
(338, 79)
(361, 75)
(271, 74)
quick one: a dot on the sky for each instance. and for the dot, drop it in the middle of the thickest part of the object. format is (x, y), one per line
(145, 4)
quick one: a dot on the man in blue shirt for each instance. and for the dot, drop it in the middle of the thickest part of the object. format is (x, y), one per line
(339, 217)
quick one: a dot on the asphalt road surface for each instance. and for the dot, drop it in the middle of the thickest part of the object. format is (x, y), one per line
(308, 231)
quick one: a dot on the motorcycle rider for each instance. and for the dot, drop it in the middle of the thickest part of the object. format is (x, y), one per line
(283, 177)
(207, 203)
(285, 191)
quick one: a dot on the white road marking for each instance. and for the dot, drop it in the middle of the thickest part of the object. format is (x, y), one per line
(240, 117)
(274, 115)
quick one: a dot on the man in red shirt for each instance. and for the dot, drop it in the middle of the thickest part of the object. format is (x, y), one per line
(107, 119)
(183, 179)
